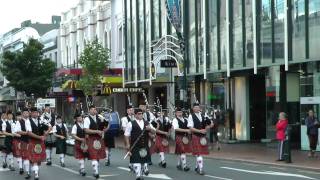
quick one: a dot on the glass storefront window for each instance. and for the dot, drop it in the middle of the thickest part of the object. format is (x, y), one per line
(314, 29)
(223, 35)
(249, 34)
(200, 29)
(129, 41)
(192, 37)
(265, 33)
(212, 37)
(279, 31)
(156, 16)
(237, 34)
(298, 30)
(141, 59)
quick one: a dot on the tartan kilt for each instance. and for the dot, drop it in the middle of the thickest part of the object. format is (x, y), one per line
(16, 148)
(24, 150)
(197, 148)
(78, 152)
(182, 148)
(158, 146)
(37, 151)
(96, 153)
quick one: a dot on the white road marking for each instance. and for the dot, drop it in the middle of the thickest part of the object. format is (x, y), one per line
(156, 176)
(3, 170)
(216, 177)
(273, 173)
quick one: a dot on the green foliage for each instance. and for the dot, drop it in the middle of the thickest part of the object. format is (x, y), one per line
(94, 61)
(28, 71)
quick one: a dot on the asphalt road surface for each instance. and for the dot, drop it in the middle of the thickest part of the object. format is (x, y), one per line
(214, 169)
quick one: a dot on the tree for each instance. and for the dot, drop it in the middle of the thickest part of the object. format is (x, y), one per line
(94, 60)
(27, 70)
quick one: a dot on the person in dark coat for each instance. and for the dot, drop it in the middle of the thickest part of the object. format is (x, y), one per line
(312, 124)
(60, 131)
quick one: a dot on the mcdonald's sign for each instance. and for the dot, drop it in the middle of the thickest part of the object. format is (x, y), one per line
(106, 90)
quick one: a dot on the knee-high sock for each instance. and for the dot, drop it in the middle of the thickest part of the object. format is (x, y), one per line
(95, 166)
(145, 167)
(48, 154)
(5, 157)
(137, 169)
(19, 161)
(10, 159)
(107, 154)
(183, 159)
(35, 169)
(179, 160)
(27, 165)
(200, 162)
(62, 158)
(81, 162)
(161, 156)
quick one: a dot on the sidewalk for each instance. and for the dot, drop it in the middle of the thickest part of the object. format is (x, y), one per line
(254, 153)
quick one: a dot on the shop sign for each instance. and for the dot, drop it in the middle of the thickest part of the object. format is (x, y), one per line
(127, 90)
(42, 102)
(168, 63)
(310, 100)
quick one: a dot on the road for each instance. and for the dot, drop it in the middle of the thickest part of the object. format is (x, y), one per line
(215, 170)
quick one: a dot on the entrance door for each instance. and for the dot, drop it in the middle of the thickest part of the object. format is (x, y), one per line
(257, 94)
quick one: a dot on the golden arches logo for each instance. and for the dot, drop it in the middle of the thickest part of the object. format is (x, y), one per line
(106, 90)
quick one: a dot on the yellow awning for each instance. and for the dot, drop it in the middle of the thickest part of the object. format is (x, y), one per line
(112, 80)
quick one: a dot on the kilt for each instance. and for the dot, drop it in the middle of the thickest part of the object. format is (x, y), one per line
(182, 148)
(96, 151)
(78, 152)
(136, 157)
(61, 146)
(50, 141)
(16, 147)
(197, 148)
(8, 148)
(37, 151)
(24, 150)
(158, 146)
(109, 140)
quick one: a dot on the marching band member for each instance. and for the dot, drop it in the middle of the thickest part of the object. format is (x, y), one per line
(3, 151)
(8, 130)
(36, 147)
(60, 131)
(182, 136)
(161, 146)
(198, 126)
(108, 140)
(95, 129)
(16, 143)
(136, 138)
(125, 121)
(80, 147)
(49, 119)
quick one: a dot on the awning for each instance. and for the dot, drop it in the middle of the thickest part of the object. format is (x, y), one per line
(106, 80)
(64, 71)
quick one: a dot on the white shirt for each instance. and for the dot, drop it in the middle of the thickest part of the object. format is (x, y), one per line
(124, 122)
(87, 121)
(152, 117)
(74, 128)
(4, 125)
(175, 123)
(54, 129)
(190, 120)
(17, 127)
(129, 127)
(28, 125)
(43, 119)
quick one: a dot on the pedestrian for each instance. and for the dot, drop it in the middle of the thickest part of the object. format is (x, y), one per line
(60, 131)
(36, 146)
(163, 127)
(182, 138)
(3, 149)
(94, 128)
(80, 147)
(108, 140)
(20, 128)
(312, 124)
(8, 130)
(49, 119)
(125, 121)
(136, 138)
(199, 126)
(281, 128)
(17, 142)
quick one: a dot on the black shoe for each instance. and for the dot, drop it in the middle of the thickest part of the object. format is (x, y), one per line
(146, 172)
(96, 176)
(28, 176)
(196, 169)
(131, 168)
(107, 163)
(11, 168)
(279, 160)
(36, 178)
(201, 172)
(179, 167)
(63, 165)
(49, 163)
(186, 168)
(21, 171)
(150, 163)
(5, 165)
(82, 172)
(139, 178)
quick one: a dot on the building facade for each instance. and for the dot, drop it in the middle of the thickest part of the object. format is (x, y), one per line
(253, 59)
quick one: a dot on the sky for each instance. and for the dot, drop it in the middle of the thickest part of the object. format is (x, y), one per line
(13, 12)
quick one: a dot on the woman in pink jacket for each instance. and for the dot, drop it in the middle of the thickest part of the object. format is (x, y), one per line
(281, 127)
